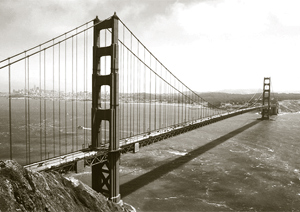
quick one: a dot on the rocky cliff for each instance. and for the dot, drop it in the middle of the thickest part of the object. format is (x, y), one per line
(23, 190)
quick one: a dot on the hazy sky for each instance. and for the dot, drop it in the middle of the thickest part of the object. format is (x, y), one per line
(210, 45)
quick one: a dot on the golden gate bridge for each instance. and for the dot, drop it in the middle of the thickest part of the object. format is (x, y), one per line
(92, 93)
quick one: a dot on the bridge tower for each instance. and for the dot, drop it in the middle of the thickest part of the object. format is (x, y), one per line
(266, 98)
(105, 175)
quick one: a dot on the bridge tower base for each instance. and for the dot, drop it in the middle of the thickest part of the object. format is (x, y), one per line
(105, 175)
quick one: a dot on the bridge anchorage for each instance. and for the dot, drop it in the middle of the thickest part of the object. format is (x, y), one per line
(135, 101)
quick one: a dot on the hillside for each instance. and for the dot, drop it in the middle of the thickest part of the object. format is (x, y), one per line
(215, 98)
(23, 190)
(287, 106)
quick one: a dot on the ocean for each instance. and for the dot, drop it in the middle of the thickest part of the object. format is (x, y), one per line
(46, 128)
(238, 164)
(42, 129)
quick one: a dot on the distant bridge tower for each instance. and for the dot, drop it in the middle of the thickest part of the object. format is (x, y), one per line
(105, 175)
(266, 98)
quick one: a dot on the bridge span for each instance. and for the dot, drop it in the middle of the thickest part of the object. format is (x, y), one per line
(91, 157)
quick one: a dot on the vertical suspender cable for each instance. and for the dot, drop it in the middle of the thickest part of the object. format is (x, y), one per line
(76, 91)
(160, 100)
(188, 105)
(165, 100)
(144, 115)
(28, 109)
(120, 87)
(53, 105)
(170, 94)
(128, 92)
(177, 102)
(66, 123)
(182, 103)
(168, 106)
(176, 114)
(173, 101)
(45, 106)
(150, 96)
(200, 108)
(135, 89)
(9, 112)
(123, 84)
(59, 99)
(134, 93)
(84, 90)
(85, 82)
(180, 99)
(180, 95)
(138, 85)
(203, 111)
(155, 96)
(72, 98)
(105, 96)
(131, 90)
(25, 101)
(123, 89)
(40, 95)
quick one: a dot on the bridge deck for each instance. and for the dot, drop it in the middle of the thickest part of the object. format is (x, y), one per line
(92, 157)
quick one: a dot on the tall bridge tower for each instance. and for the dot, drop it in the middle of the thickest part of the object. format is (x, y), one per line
(266, 98)
(105, 175)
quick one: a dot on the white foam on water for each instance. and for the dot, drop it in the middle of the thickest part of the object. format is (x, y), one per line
(177, 152)
(219, 205)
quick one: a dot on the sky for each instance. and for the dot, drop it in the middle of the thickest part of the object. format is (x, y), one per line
(210, 45)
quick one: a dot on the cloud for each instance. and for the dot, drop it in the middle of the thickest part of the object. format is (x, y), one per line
(223, 38)
(240, 41)
(286, 12)
(230, 18)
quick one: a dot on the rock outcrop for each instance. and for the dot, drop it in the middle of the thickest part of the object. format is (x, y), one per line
(23, 190)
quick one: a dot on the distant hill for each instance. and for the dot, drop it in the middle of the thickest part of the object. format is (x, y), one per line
(251, 91)
(217, 98)
(241, 91)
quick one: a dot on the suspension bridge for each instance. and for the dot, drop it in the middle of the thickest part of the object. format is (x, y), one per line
(92, 93)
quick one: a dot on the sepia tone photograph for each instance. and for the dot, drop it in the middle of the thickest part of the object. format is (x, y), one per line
(153, 105)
